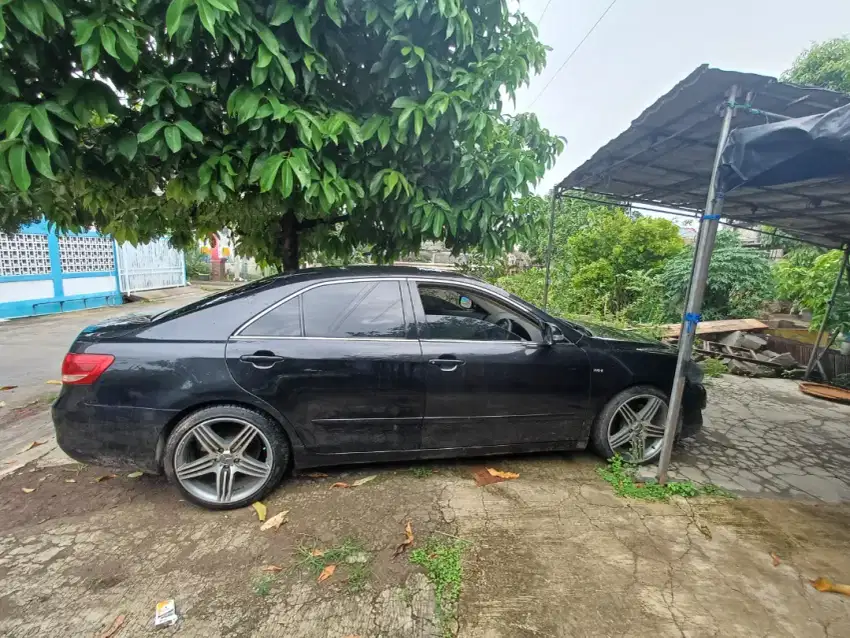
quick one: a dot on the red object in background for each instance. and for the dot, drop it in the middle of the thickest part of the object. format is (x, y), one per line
(214, 250)
(84, 369)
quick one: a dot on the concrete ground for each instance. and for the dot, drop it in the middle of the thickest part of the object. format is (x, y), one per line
(552, 553)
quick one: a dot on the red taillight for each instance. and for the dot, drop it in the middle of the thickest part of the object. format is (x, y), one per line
(84, 369)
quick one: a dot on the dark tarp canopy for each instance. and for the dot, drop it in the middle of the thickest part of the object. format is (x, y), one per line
(665, 157)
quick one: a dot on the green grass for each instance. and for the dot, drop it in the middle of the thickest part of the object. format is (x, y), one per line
(441, 560)
(421, 472)
(358, 573)
(263, 585)
(621, 476)
(713, 368)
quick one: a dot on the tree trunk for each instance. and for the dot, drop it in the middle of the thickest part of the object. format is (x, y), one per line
(289, 242)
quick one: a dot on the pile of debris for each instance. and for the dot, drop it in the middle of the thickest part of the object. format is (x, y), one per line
(746, 354)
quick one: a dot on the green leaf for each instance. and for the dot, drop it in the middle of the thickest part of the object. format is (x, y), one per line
(404, 102)
(248, 107)
(30, 13)
(16, 119)
(150, 130)
(2, 37)
(371, 14)
(429, 75)
(107, 39)
(368, 130)
(172, 138)
(286, 179)
(61, 112)
(90, 53)
(40, 157)
(405, 115)
(384, 133)
(259, 74)
(264, 57)
(437, 228)
(377, 180)
(189, 130)
(42, 122)
(269, 40)
(301, 165)
(269, 173)
(303, 25)
(181, 98)
(127, 146)
(190, 79)
(54, 12)
(8, 84)
(257, 168)
(173, 16)
(128, 44)
(83, 28)
(282, 13)
(18, 165)
(418, 122)
(208, 15)
(332, 9)
(287, 69)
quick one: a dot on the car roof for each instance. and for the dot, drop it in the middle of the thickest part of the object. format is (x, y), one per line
(352, 272)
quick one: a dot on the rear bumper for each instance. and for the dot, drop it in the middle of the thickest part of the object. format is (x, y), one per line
(109, 436)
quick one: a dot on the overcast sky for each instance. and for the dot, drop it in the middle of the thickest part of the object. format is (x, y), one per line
(644, 47)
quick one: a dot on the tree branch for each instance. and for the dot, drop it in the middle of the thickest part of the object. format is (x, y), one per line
(312, 223)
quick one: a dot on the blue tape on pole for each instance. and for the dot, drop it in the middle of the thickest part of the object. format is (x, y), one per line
(711, 216)
(693, 316)
(720, 195)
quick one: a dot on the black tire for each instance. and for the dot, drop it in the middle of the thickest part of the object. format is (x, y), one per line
(278, 441)
(599, 433)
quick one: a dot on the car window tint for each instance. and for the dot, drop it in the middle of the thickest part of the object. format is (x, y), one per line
(465, 329)
(357, 309)
(283, 321)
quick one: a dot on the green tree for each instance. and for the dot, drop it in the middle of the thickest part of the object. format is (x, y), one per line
(301, 125)
(739, 281)
(806, 278)
(826, 64)
(602, 256)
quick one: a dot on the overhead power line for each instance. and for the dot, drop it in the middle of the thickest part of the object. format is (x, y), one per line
(544, 11)
(573, 52)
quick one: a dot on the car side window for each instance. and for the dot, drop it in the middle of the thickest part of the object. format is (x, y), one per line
(283, 321)
(356, 309)
(455, 314)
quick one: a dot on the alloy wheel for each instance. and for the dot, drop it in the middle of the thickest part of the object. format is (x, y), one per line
(636, 430)
(222, 460)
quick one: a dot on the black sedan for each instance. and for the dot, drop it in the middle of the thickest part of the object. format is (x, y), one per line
(336, 365)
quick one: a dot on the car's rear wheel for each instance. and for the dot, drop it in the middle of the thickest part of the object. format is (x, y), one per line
(225, 457)
(632, 425)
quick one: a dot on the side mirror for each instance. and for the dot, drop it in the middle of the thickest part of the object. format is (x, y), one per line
(552, 334)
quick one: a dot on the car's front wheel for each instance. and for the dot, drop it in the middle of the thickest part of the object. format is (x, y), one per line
(226, 456)
(632, 425)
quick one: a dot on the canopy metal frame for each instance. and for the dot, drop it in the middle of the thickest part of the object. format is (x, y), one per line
(666, 197)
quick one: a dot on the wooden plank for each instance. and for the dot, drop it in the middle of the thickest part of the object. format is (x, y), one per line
(712, 327)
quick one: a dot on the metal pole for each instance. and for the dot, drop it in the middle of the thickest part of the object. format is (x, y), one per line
(549, 249)
(829, 306)
(702, 259)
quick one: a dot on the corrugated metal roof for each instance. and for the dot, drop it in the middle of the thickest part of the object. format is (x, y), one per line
(666, 155)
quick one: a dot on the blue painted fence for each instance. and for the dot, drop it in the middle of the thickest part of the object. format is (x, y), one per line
(42, 272)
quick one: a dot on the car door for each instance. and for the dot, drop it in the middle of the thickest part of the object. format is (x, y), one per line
(488, 386)
(340, 360)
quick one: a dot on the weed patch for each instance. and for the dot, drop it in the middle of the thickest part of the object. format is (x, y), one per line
(442, 563)
(263, 585)
(350, 556)
(421, 472)
(621, 476)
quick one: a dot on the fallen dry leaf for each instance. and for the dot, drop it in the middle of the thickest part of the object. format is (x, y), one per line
(316, 475)
(275, 521)
(135, 474)
(776, 560)
(408, 540)
(7, 387)
(114, 627)
(317, 552)
(105, 477)
(340, 485)
(826, 585)
(53, 382)
(28, 490)
(364, 480)
(483, 477)
(260, 508)
(32, 445)
(502, 475)
(327, 572)
(272, 568)
(70, 480)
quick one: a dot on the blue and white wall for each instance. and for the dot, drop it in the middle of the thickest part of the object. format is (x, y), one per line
(44, 273)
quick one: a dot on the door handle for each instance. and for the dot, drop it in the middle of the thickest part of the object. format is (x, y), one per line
(262, 360)
(447, 365)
